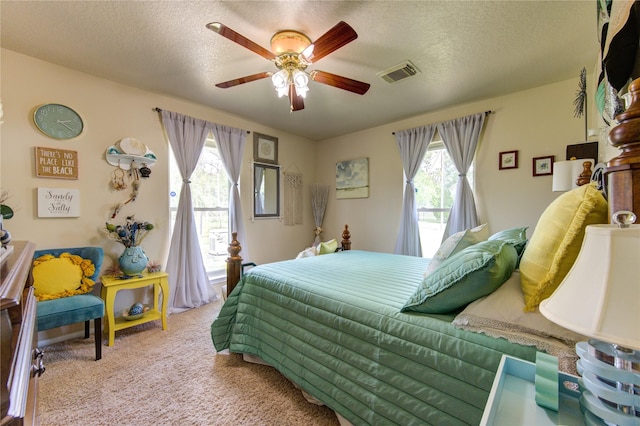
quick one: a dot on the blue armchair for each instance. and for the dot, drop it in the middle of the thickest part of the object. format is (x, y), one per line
(76, 308)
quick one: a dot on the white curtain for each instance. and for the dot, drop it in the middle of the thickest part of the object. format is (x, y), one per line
(231, 142)
(188, 281)
(413, 144)
(460, 137)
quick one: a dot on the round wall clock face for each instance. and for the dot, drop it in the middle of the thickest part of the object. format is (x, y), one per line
(58, 121)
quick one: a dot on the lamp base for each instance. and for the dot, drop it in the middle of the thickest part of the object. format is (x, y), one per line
(610, 381)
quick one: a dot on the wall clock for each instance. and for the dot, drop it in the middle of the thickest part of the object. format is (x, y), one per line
(58, 121)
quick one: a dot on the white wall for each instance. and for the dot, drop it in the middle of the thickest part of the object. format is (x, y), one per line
(112, 111)
(537, 122)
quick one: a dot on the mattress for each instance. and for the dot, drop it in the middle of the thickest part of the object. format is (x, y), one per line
(332, 325)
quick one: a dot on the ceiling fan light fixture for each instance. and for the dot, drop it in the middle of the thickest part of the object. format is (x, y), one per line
(302, 91)
(281, 82)
(308, 52)
(292, 52)
(301, 81)
(289, 41)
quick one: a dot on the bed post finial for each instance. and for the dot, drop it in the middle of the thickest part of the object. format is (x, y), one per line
(234, 262)
(346, 236)
(623, 171)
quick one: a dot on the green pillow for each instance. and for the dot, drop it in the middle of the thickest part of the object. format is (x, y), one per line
(474, 272)
(456, 243)
(328, 247)
(517, 237)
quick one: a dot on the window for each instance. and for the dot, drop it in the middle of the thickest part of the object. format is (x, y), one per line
(210, 197)
(435, 184)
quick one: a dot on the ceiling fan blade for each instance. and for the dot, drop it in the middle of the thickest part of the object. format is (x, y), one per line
(296, 102)
(242, 80)
(340, 82)
(227, 32)
(332, 40)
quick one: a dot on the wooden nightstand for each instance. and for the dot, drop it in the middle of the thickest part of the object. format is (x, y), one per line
(512, 398)
(111, 285)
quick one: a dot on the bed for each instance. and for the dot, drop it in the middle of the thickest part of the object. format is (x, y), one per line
(357, 331)
(347, 344)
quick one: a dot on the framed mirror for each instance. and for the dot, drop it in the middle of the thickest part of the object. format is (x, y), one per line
(266, 190)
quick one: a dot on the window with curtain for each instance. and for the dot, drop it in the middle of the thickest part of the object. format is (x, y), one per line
(435, 185)
(210, 193)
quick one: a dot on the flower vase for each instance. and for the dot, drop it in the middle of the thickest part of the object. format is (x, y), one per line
(5, 236)
(133, 260)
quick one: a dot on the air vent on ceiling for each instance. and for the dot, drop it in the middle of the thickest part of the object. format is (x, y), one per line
(399, 72)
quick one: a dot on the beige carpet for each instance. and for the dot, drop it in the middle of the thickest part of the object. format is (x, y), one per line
(172, 377)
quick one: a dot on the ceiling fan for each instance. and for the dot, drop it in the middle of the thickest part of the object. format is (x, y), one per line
(292, 52)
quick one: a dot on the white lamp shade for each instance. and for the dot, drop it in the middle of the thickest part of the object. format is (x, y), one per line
(565, 174)
(300, 80)
(600, 296)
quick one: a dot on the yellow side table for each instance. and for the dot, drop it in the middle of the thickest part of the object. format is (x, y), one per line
(111, 285)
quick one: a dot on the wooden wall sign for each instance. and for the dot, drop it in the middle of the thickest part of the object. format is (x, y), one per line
(58, 202)
(56, 163)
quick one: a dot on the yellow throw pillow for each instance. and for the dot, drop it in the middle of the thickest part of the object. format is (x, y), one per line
(556, 241)
(328, 247)
(67, 275)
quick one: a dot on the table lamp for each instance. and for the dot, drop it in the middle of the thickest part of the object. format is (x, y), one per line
(600, 298)
(566, 174)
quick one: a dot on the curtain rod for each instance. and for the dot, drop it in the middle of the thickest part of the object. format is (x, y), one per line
(156, 109)
(485, 113)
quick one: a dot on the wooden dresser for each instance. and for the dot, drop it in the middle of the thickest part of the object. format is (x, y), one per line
(21, 361)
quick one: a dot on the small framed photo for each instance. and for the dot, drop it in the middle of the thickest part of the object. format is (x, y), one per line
(265, 148)
(508, 160)
(543, 166)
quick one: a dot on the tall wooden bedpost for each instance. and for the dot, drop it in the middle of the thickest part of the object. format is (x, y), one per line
(234, 263)
(346, 236)
(623, 171)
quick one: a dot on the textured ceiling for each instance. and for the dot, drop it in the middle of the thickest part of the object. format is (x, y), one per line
(466, 50)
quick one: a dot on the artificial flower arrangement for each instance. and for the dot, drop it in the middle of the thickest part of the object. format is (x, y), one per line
(131, 233)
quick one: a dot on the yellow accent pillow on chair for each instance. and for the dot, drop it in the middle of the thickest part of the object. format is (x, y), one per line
(67, 275)
(556, 241)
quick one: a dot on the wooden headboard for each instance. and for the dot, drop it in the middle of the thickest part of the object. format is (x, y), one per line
(623, 171)
(234, 261)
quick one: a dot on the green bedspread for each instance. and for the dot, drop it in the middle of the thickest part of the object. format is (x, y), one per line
(332, 325)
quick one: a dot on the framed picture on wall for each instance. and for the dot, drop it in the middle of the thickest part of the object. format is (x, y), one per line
(543, 166)
(352, 179)
(265, 148)
(508, 160)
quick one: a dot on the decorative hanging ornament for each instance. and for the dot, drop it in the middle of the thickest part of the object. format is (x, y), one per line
(580, 102)
(117, 179)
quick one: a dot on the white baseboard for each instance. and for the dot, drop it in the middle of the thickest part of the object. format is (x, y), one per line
(46, 340)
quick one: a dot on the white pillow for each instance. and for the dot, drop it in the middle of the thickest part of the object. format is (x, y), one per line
(457, 242)
(308, 252)
(501, 314)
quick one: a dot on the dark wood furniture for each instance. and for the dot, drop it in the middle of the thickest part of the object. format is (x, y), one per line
(21, 362)
(234, 261)
(623, 171)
